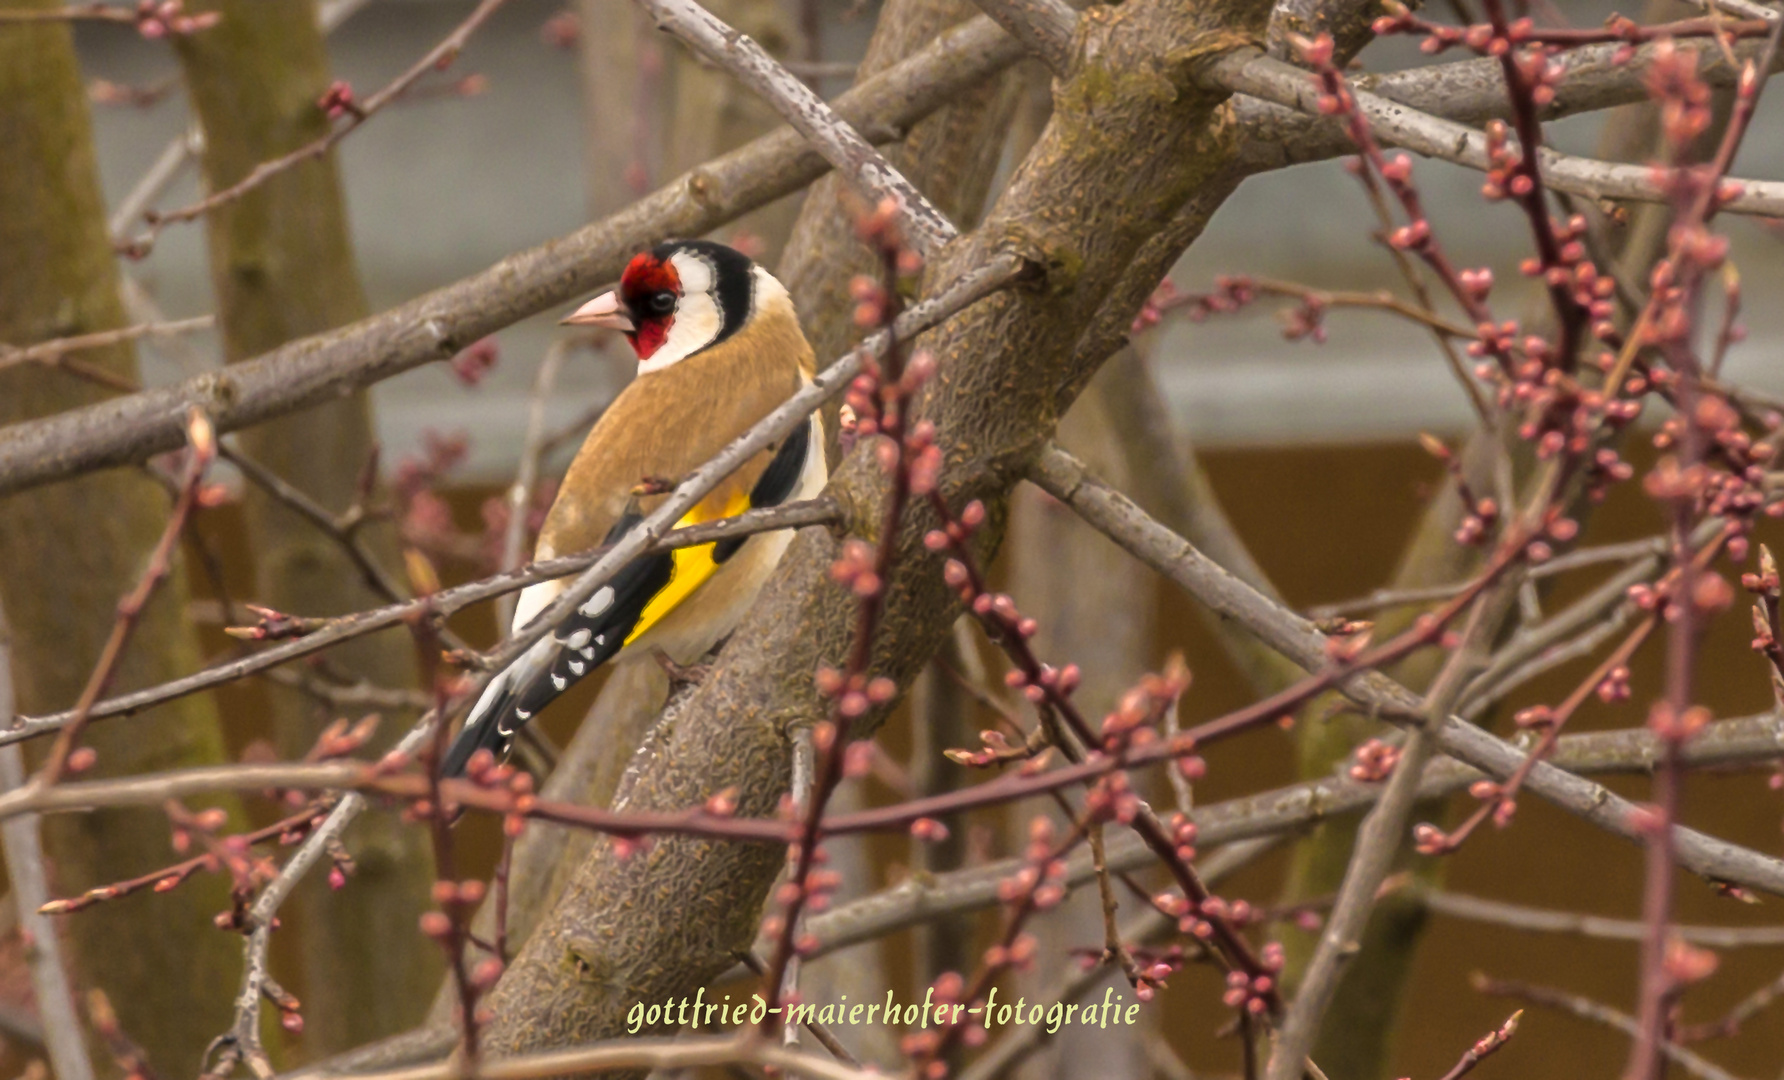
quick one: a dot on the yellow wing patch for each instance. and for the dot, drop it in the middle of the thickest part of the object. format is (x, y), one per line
(692, 566)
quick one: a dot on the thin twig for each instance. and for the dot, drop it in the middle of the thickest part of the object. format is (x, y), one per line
(1488, 1045)
(852, 156)
(52, 351)
(804, 776)
(166, 168)
(1545, 921)
(1729, 1025)
(1015, 1047)
(343, 529)
(331, 632)
(1251, 73)
(1560, 564)
(1067, 479)
(437, 58)
(826, 1038)
(1587, 1009)
(94, 12)
(202, 450)
(526, 476)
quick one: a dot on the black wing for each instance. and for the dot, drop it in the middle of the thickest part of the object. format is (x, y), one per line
(585, 640)
(776, 483)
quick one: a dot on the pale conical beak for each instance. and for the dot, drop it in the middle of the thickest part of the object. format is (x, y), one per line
(604, 310)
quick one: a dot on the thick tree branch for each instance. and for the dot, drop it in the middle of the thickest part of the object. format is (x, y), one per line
(1433, 136)
(1469, 92)
(437, 326)
(1044, 27)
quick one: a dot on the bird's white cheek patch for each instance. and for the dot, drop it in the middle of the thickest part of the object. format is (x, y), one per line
(694, 326)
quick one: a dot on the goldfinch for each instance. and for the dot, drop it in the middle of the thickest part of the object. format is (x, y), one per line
(719, 347)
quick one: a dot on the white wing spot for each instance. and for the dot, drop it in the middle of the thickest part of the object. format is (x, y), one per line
(578, 639)
(504, 732)
(601, 601)
(600, 639)
(523, 714)
(588, 653)
(577, 667)
(558, 681)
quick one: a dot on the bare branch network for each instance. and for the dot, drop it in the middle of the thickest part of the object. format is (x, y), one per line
(982, 339)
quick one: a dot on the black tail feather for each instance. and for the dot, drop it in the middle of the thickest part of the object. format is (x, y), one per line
(485, 735)
(587, 638)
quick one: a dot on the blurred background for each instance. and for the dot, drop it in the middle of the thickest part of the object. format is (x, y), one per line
(1310, 447)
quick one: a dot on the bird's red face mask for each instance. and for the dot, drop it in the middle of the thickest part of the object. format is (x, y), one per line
(642, 308)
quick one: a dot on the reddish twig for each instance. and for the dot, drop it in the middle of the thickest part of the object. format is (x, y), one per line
(1488, 1044)
(1498, 800)
(286, 831)
(1522, 32)
(1598, 1013)
(337, 103)
(450, 924)
(202, 449)
(1685, 487)
(1729, 1024)
(881, 397)
(1045, 685)
(152, 18)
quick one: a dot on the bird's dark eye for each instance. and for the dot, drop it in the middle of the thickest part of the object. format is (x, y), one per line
(661, 303)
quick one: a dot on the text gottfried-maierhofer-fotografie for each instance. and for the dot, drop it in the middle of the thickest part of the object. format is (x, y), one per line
(1112, 1011)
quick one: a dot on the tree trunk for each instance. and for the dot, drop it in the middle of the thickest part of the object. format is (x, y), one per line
(69, 552)
(282, 268)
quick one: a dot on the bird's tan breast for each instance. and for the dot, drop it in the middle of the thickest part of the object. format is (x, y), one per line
(667, 423)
